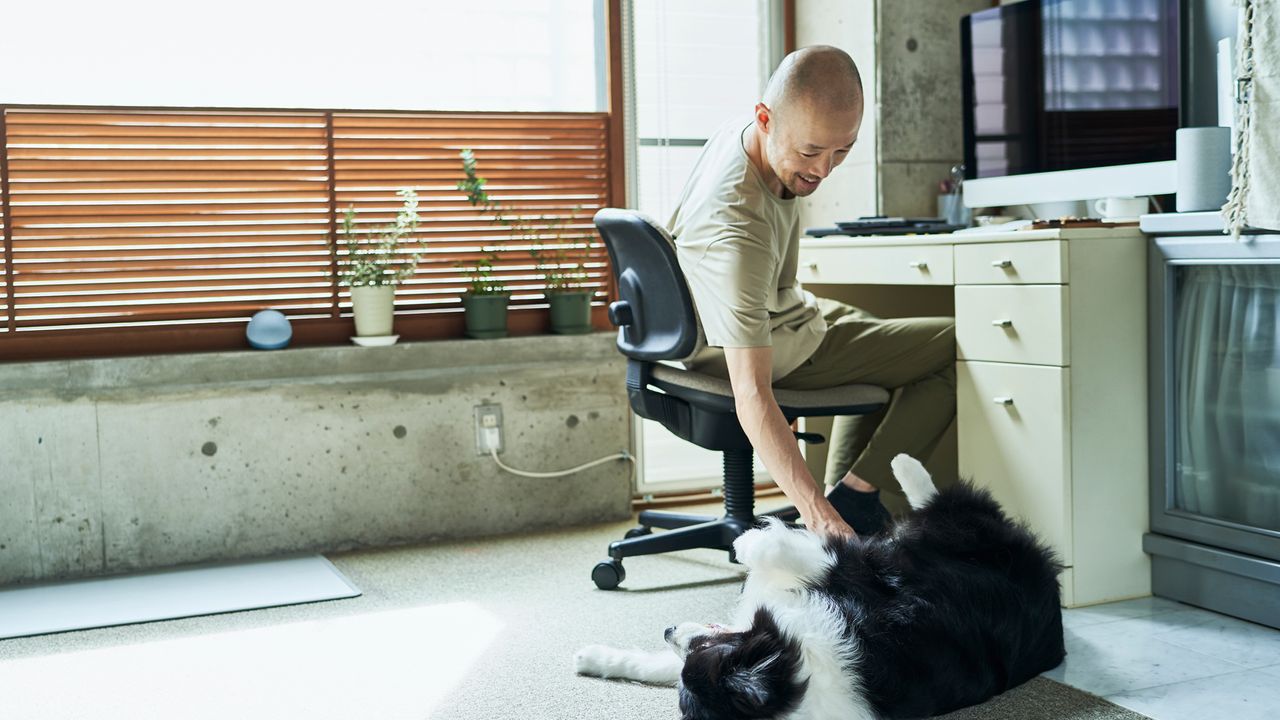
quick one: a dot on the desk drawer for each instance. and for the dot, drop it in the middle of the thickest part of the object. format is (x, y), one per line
(1017, 263)
(1013, 433)
(917, 265)
(1013, 323)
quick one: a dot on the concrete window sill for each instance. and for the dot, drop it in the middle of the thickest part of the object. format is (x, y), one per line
(91, 376)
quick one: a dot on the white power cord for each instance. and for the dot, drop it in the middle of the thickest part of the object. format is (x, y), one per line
(493, 452)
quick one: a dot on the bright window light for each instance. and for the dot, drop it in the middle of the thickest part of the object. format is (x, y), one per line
(531, 55)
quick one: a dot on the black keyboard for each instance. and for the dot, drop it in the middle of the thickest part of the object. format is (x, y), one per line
(885, 226)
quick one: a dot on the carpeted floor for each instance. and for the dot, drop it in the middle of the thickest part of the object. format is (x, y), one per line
(462, 631)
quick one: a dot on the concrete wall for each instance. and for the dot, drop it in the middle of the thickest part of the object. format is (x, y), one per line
(115, 465)
(920, 126)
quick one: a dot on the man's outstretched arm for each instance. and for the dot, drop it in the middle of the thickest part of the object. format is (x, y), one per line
(765, 425)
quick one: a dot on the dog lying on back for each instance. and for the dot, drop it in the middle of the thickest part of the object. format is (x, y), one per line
(951, 606)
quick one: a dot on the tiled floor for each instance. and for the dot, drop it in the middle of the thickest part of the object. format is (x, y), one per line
(1172, 661)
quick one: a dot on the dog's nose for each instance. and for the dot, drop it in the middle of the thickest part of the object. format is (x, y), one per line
(668, 633)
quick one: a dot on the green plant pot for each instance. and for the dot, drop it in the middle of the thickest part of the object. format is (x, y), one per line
(570, 312)
(486, 315)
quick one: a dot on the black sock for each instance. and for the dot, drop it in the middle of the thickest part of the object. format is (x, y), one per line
(862, 510)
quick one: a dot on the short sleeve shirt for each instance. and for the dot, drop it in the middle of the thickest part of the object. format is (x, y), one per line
(738, 245)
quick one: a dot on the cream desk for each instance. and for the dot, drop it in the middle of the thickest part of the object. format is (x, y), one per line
(1051, 335)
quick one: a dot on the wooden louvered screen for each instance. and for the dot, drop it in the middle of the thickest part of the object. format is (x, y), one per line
(544, 169)
(153, 230)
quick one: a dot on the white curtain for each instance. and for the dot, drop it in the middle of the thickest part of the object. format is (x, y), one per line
(1227, 355)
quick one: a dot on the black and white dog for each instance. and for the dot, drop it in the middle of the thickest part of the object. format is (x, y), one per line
(948, 608)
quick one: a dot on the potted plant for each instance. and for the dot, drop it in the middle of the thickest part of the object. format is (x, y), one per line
(564, 277)
(485, 301)
(375, 264)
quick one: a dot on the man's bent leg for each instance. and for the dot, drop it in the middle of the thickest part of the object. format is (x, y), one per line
(917, 418)
(915, 359)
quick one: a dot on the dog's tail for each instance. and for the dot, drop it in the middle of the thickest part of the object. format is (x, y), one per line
(915, 480)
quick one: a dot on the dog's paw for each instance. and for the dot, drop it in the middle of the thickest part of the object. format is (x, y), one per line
(594, 660)
(746, 546)
(780, 557)
(915, 480)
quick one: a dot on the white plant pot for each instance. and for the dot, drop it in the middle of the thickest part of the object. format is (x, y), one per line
(373, 306)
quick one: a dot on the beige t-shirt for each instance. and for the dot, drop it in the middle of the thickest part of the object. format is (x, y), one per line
(738, 245)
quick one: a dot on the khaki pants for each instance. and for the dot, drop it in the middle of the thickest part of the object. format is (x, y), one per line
(913, 358)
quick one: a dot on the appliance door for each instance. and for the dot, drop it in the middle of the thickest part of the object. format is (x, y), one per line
(1216, 392)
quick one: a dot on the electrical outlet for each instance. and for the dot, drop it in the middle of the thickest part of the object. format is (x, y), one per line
(488, 428)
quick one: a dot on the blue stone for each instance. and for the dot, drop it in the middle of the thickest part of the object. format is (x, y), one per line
(269, 330)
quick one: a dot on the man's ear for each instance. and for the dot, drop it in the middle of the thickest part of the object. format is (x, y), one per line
(764, 118)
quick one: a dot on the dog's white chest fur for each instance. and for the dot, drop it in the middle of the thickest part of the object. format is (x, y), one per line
(784, 564)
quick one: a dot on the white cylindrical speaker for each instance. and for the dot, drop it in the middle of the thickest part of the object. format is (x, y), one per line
(1204, 167)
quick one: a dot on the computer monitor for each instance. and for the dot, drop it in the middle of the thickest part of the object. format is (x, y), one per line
(1069, 100)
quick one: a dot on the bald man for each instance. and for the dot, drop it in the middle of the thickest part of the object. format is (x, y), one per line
(737, 238)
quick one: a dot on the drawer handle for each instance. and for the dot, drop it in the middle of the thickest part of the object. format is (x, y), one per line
(1002, 323)
(1006, 401)
(812, 266)
(918, 264)
(1002, 264)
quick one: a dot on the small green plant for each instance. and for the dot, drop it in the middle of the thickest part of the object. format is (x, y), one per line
(374, 258)
(480, 279)
(558, 272)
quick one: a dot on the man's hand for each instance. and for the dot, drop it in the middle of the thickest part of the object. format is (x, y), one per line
(770, 435)
(827, 522)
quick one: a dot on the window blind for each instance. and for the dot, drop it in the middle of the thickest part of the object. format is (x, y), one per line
(548, 173)
(121, 220)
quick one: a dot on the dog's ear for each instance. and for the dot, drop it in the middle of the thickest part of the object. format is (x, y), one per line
(749, 687)
(743, 675)
(763, 680)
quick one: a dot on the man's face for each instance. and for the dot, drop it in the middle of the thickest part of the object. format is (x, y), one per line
(804, 146)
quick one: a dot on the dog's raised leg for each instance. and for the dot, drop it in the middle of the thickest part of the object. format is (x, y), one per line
(655, 668)
(780, 560)
(915, 480)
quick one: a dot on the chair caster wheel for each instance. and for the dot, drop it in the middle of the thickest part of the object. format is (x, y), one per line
(608, 574)
(638, 532)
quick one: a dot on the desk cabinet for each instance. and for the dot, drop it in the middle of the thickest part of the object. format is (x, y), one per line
(1051, 384)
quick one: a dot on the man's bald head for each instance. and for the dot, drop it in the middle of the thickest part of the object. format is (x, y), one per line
(820, 78)
(808, 120)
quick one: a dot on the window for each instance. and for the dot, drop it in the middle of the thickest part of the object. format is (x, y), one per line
(696, 66)
(499, 55)
(139, 215)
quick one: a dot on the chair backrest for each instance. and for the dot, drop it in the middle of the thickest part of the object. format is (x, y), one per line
(654, 311)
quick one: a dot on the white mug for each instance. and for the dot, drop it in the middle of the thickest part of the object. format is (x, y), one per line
(1120, 207)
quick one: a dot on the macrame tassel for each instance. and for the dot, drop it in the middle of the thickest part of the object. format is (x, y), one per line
(1234, 211)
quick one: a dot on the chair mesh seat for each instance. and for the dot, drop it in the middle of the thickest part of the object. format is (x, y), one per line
(711, 390)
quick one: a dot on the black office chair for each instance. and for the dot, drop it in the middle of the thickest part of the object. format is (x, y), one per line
(656, 321)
